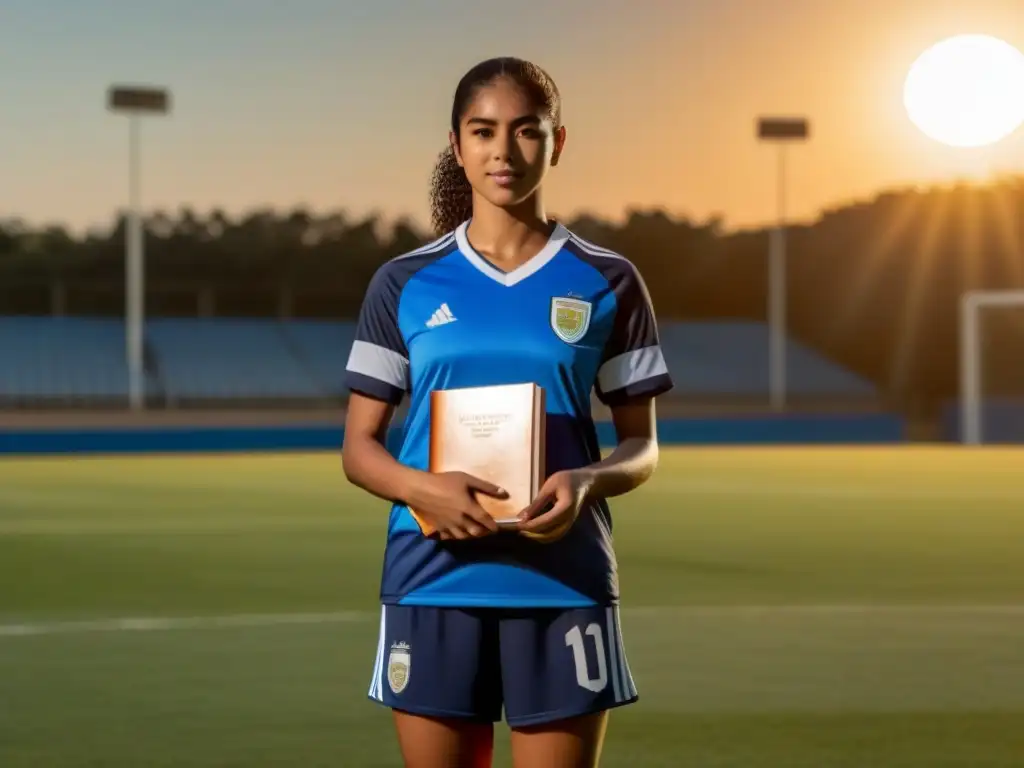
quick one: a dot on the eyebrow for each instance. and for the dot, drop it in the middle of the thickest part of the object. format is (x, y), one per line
(524, 120)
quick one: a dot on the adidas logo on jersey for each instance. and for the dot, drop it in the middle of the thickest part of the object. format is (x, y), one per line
(442, 316)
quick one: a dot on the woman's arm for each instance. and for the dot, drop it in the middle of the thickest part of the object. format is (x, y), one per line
(635, 457)
(630, 465)
(448, 499)
(364, 455)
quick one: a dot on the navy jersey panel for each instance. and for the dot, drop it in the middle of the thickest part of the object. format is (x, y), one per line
(575, 319)
(632, 363)
(378, 363)
(539, 665)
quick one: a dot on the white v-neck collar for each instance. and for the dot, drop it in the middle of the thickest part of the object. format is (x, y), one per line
(523, 271)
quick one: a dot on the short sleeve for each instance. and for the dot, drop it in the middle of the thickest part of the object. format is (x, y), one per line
(632, 365)
(378, 364)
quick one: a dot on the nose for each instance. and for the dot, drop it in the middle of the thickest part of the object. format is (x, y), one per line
(504, 148)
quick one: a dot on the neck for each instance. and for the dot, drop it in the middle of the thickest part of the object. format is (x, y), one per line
(504, 233)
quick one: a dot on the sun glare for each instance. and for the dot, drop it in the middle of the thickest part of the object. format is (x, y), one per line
(967, 91)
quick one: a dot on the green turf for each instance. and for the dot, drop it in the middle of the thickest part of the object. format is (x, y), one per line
(784, 607)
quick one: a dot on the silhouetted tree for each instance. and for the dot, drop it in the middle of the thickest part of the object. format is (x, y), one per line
(875, 284)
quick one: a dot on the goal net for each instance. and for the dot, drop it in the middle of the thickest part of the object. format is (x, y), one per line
(992, 367)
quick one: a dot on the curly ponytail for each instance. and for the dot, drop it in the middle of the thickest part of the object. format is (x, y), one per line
(451, 196)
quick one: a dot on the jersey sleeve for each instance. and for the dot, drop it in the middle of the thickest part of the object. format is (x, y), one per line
(378, 364)
(632, 365)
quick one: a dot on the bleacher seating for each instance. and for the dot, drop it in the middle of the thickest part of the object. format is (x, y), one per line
(193, 359)
(44, 358)
(324, 347)
(732, 358)
(205, 359)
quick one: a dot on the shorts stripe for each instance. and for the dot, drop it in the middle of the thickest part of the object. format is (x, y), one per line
(629, 687)
(376, 686)
(614, 654)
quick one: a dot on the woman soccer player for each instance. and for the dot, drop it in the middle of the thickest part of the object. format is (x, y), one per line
(475, 620)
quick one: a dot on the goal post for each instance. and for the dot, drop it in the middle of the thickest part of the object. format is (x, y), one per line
(972, 304)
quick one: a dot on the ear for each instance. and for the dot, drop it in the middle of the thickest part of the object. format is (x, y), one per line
(453, 139)
(559, 145)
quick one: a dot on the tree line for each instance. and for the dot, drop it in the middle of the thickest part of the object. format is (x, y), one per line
(875, 285)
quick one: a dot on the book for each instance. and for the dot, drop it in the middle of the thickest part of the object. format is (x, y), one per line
(495, 433)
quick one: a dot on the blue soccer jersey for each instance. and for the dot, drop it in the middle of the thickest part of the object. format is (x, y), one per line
(575, 319)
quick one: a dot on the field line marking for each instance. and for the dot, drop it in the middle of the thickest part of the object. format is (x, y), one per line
(196, 525)
(157, 624)
(811, 490)
(832, 609)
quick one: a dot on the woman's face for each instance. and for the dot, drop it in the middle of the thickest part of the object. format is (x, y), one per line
(506, 144)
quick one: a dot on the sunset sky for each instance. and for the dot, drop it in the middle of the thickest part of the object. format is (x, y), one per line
(344, 103)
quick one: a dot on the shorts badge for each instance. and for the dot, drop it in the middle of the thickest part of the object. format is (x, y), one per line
(398, 667)
(570, 318)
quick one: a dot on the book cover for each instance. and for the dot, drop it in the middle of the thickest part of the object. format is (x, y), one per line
(495, 433)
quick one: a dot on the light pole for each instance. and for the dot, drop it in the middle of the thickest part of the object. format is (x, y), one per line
(780, 131)
(135, 101)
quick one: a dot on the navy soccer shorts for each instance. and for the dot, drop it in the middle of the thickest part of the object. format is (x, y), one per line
(540, 665)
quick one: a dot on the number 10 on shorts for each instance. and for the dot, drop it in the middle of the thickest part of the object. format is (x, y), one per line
(606, 661)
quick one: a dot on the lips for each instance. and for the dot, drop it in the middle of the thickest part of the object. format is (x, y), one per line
(505, 177)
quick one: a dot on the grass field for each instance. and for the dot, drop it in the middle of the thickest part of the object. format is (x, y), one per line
(824, 608)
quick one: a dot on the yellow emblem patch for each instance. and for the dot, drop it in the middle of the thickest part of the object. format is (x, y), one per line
(570, 318)
(399, 664)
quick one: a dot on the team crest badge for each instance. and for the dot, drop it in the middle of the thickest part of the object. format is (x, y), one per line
(398, 667)
(570, 318)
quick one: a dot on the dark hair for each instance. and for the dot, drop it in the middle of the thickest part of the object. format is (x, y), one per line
(451, 197)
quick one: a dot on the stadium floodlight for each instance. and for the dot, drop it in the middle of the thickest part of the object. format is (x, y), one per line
(971, 305)
(135, 101)
(782, 131)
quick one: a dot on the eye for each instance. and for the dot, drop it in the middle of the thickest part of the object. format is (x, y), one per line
(532, 133)
(485, 132)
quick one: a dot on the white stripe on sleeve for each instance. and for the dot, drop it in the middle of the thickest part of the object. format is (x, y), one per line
(630, 368)
(379, 363)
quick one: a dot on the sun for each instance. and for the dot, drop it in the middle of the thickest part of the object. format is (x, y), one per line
(966, 91)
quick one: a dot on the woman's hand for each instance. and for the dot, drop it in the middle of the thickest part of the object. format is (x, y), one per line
(448, 501)
(557, 505)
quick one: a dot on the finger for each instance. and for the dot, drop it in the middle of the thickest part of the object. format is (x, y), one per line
(486, 487)
(477, 514)
(454, 532)
(445, 536)
(538, 505)
(549, 519)
(476, 531)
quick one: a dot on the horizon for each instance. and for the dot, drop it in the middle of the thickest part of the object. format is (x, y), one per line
(388, 222)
